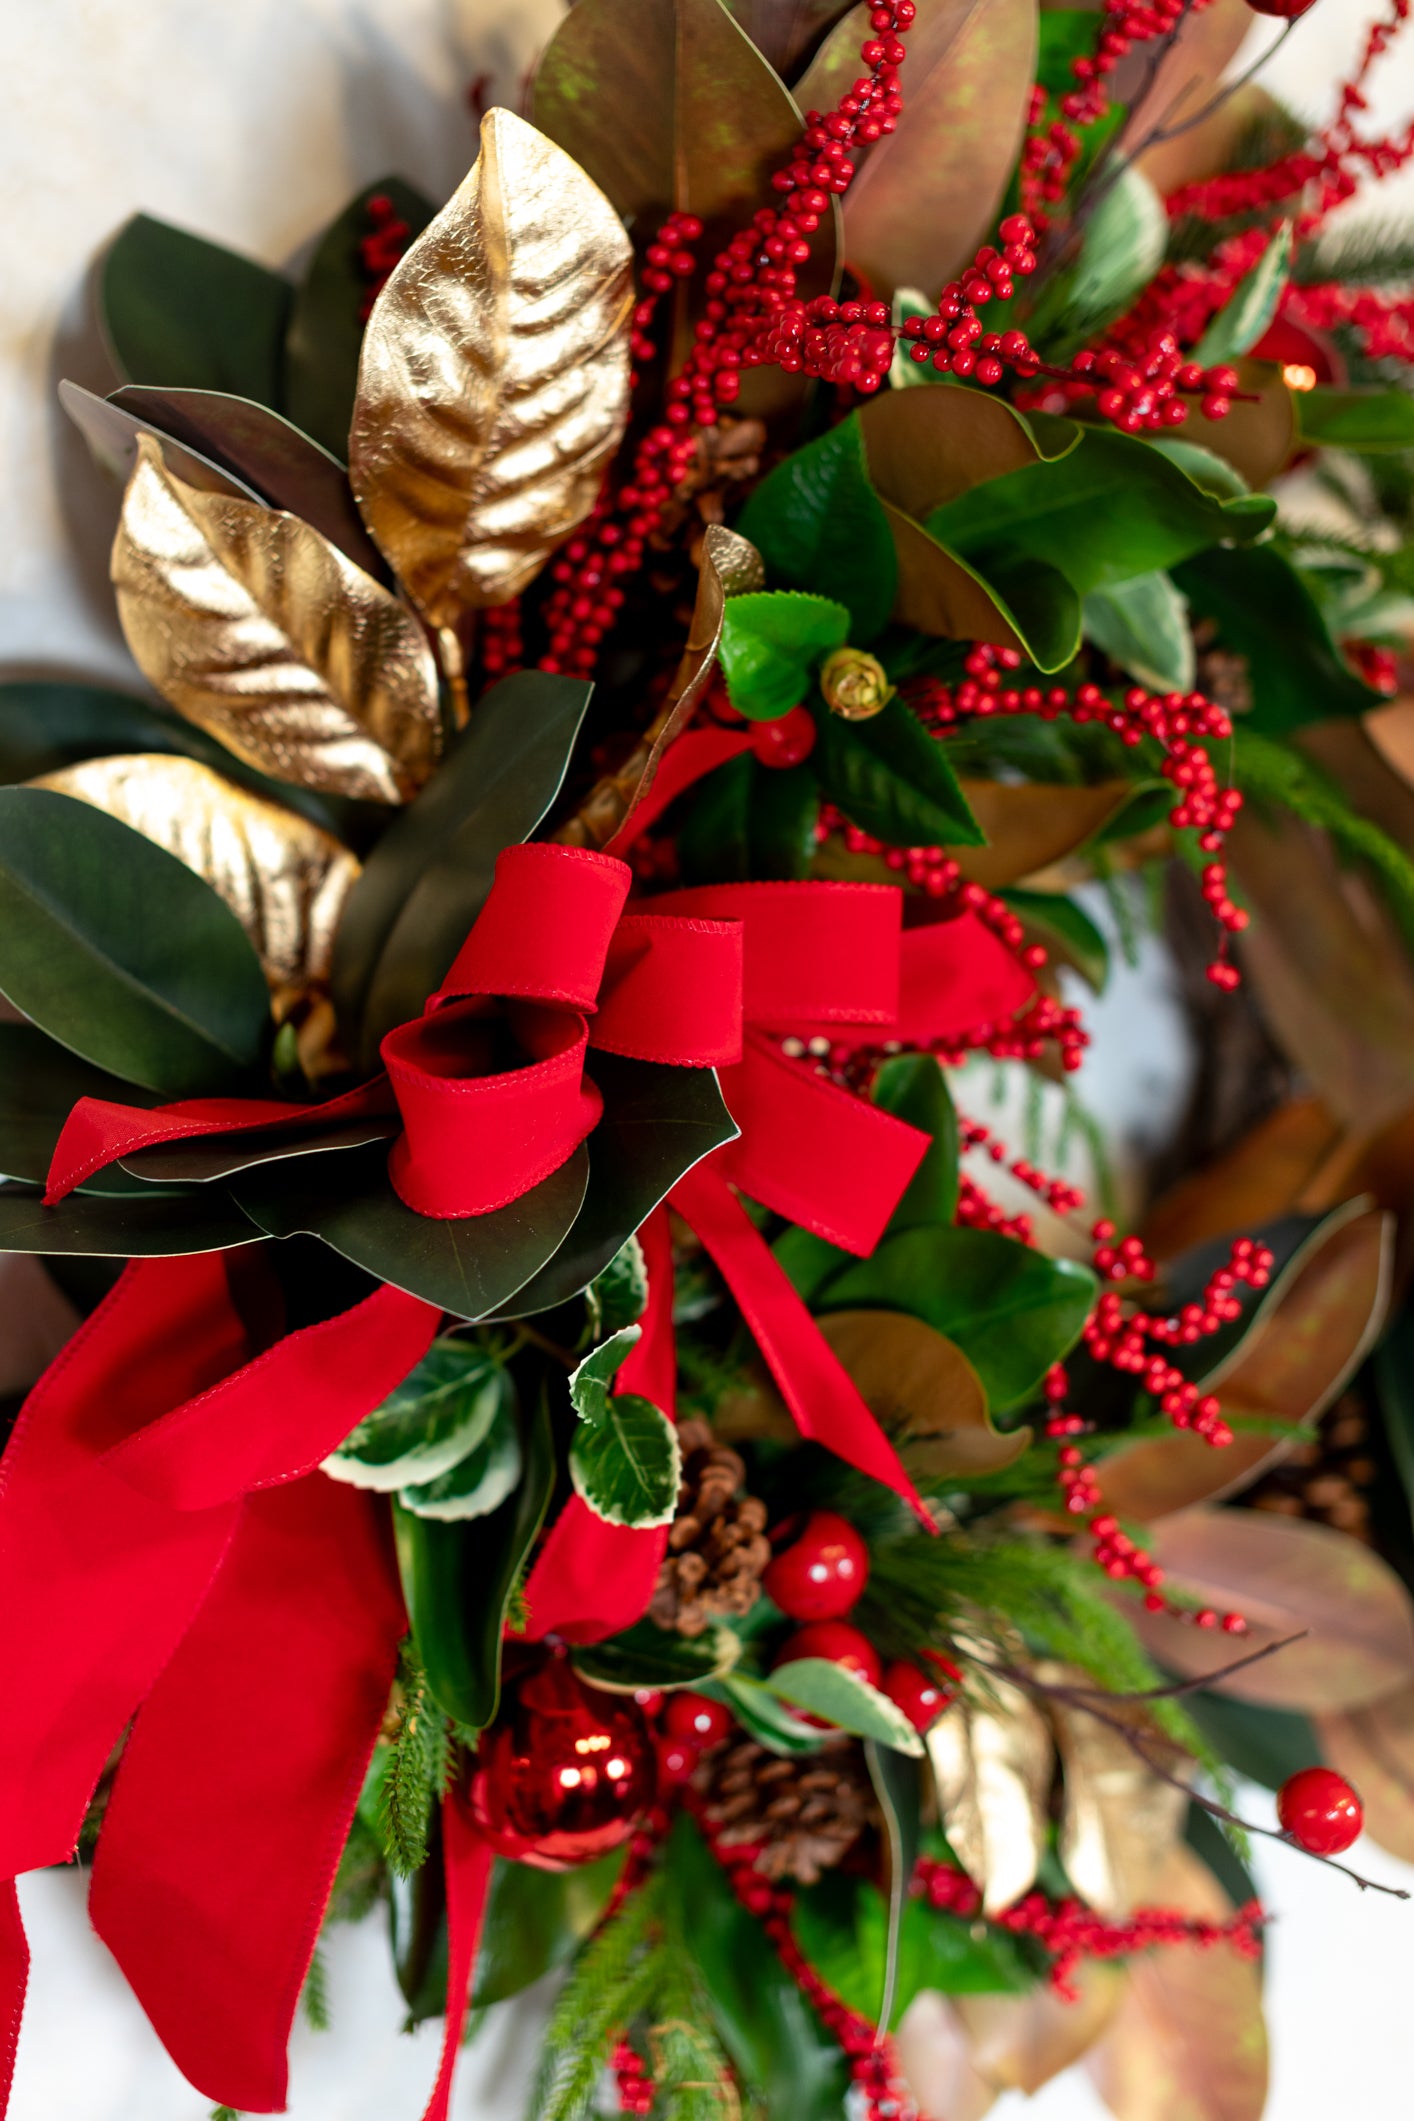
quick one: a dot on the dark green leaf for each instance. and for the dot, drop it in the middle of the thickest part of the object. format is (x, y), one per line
(618, 1296)
(1266, 1745)
(656, 1124)
(417, 1922)
(1012, 1311)
(1394, 1389)
(1066, 930)
(897, 1786)
(40, 1083)
(1213, 1849)
(105, 1226)
(326, 324)
(180, 311)
(592, 1382)
(842, 1926)
(628, 1465)
(1142, 626)
(892, 779)
(714, 840)
(480, 1482)
(121, 952)
(914, 1088)
(427, 879)
(659, 1658)
(441, 1410)
(773, 641)
(1367, 421)
(1264, 612)
(819, 526)
(781, 821)
(470, 1266)
(199, 1161)
(843, 1698)
(535, 1921)
(458, 1579)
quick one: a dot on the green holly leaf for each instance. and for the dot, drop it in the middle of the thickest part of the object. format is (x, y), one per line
(1143, 627)
(819, 526)
(480, 1482)
(442, 1410)
(1012, 1311)
(772, 644)
(891, 778)
(180, 311)
(325, 335)
(627, 1466)
(1246, 318)
(1367, 421)
(659, 1658)
(592, 1382)
(619, 1295)
(122, 953)
(1264, 612)
(845, 1700)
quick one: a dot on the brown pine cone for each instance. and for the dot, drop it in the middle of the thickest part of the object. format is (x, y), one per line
(806, 1812)
(717, 1547)
(1328, 1480)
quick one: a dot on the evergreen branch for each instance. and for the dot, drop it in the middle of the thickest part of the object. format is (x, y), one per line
(315, 1993)
(1369, 255)
(609, 1984)
(224, 2113)
(691, 2074)
(417, 1769)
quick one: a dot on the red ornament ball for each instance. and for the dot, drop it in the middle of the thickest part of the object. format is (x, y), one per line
(1288, 10)
(921, 1696)
(696, 1721)
(837, 1644)
(823, 1573)
(787, 741)
(564, 1771)
(1320, 1811)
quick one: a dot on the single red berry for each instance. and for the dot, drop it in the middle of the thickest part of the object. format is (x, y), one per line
(1320, 1811)
(676, 1761)
(823, 1573)
(921, 1698)
(696, 1720)
(1288, 10)
(837, 1644)
(788, 741)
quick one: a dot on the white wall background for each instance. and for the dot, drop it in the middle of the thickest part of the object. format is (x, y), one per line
(253, 122)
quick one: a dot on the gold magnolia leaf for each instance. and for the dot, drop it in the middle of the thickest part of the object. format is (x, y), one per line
(991, 1760)
(261, 632)
(284, 878)
(935, 2055)
(1018, 2043)
(924, 1391)
(1188, 2042)
(493, 385)
(1374, 1748)
(1118, 1818)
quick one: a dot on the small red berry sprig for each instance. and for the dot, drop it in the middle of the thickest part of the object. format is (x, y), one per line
(379, 251)
(1069, 1932)
(632, 2080)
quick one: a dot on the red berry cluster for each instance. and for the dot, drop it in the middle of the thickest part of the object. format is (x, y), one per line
(499, 640)
(633, 2082)
(1070, 1932)
(1175, 721)
(689, 1725)
(380, 250)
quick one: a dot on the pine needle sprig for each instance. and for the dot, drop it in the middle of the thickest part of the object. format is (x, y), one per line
(691, 2074)
(418, 1768)
(314, 1996)
(611, 1981)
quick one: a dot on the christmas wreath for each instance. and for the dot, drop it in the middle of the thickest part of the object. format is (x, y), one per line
(561, 1425)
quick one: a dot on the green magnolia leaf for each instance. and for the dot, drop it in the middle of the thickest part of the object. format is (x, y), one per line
(441, 1410)
(1203, 466)
(1012, 1311)
(1124, 247)
(199, 1161)
(657, 1658)
(40, 1083)
(1238, 326)
(535, 1922)
(1066, 930)
(628, 1465)
(121, 952)
(819, 526)
(1264, 1744)
(1108, 510)
(619, 1295)
(891, 778)
(845, 1700)
(656, 1124)
(782, 813)
(134, 1226)
(1264, 612)
(458, 1580)
(591, 1383)
(1367, 421)
(480, 1482)
(470, 1266)
(772, 644)
(325, 334)
(428, 877)
(180, 311)
(1143, 627)
(714, 840)
(898, 1788)
(915, 1088)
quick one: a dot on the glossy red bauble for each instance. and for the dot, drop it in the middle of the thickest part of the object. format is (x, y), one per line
(837, 1644)
(564, 1772)
(788, 741)
(1288, 10)
(1320, 1811)
(696, 1720)
(823, 1573)
(921, 1695)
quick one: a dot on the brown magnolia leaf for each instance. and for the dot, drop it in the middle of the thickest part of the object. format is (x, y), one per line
(935, 2055)
(261, 632)
(991, 1760)
(493, 385)
(1284, 1575)
(929, 193)
(1188, 2042)
(787, 31)
(1298, 1357)
(36, 1321)
(284, 878)
(1374, 1749)
(1029, 825)
(1210, 149)
(1259, 434)
(1192, 70)
(730, 566)
(1377, 789)
(1118, 1818)
(924, 1391)
(1331, 975)
(937, 594)
(1391, 731)
(1264, 1175)
(1019, 2043)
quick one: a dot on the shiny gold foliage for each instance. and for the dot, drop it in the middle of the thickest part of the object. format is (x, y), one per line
(493, 388)
(260, 631)
(1118, 1818)
(992, 1758)
(283, 878)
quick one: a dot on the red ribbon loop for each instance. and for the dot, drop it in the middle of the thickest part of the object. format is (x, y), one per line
(815, 953)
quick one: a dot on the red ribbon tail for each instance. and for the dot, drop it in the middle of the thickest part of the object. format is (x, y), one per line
(817, 1388)
(14, 1979)
(687, 759)
(468, 1866)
